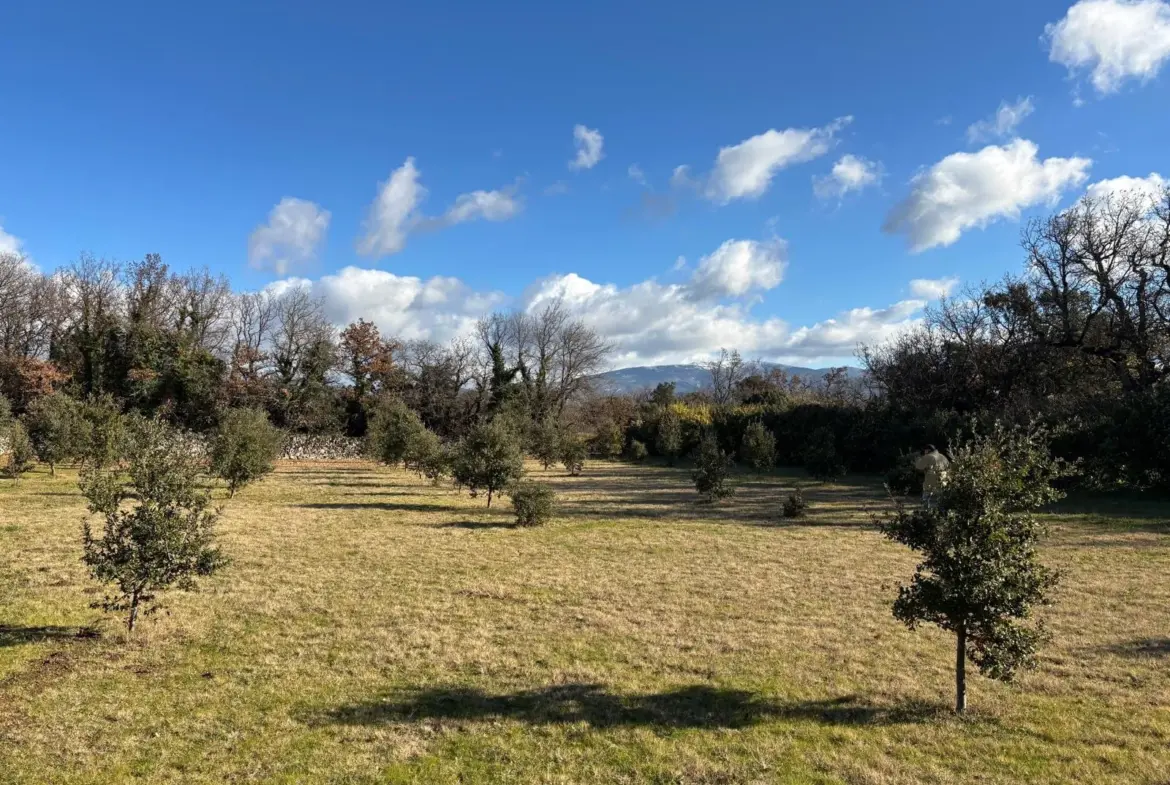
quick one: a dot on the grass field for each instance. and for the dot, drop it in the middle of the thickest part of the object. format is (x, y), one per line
(374, 629)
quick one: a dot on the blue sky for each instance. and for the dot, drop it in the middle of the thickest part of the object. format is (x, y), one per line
(134, 127)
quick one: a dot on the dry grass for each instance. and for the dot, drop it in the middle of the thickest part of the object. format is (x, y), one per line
(374, 629)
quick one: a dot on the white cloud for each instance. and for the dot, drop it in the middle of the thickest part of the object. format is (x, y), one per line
(966, 190)
(1003, 123)
(9, 244)
(438, 308)
(1151, 187)
(850, 173)
(393, 213)
(649, 322)
(294, 232)
(636, 174)
(738, 267)
(558, 188)
(488, 205)
(933, 288)
(681, 178)
(1116, 39)
(745, 170)
(589, 142)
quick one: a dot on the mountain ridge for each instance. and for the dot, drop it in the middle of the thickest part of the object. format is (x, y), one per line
(693, 377)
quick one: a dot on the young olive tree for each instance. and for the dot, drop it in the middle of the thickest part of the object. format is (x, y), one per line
(244, 447)
(980, 576)
(668, 439)
(573, 452)
(533, 502)
(105, 432)
(712, 467)
(5, 413)
(758, 448)
(57, 429)
(20, 451)
(394, 429)
(546, 446)
(489, 459)
(157, 529)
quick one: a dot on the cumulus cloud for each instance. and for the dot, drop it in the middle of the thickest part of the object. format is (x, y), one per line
(933, 288)
(438, 308)
(649, 322)
(1151, 187)
(1003, 123)
(9, 244)
(395, 212)
(745, 170)
(294, 232)
(636, 174)
(966, 190)
(850, 173)
(589, 142)
(1115, 40)
(738, 267)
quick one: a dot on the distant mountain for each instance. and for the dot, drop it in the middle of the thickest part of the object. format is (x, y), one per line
(689, 378)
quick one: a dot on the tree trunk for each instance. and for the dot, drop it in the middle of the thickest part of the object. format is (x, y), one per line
(961, 669)
(52, 469)
(133, 612)
(489, 499)
(231, 491)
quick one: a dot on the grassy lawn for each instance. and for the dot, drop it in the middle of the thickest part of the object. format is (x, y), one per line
(374, 629)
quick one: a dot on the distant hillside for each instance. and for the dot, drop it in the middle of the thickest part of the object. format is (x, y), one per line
(689, 378)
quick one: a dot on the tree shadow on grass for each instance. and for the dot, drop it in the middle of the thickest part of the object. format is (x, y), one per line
(477, 525)
(18, 636)
(1142, 647)
(697, 706)
(399, 506)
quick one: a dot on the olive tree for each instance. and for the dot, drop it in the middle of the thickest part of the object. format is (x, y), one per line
(57, 429)
(573, 452)
(157, 530)
(20, 451)
(712, 468)
(668, 439)
(488, 459)
(244, 447)
(393, 430)
(980, 576)
(533, 502)
(546, 446)
(758, 448)
(104, 432)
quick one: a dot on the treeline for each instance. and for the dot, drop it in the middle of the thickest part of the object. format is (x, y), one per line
(184, 348)
(1078, 343)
